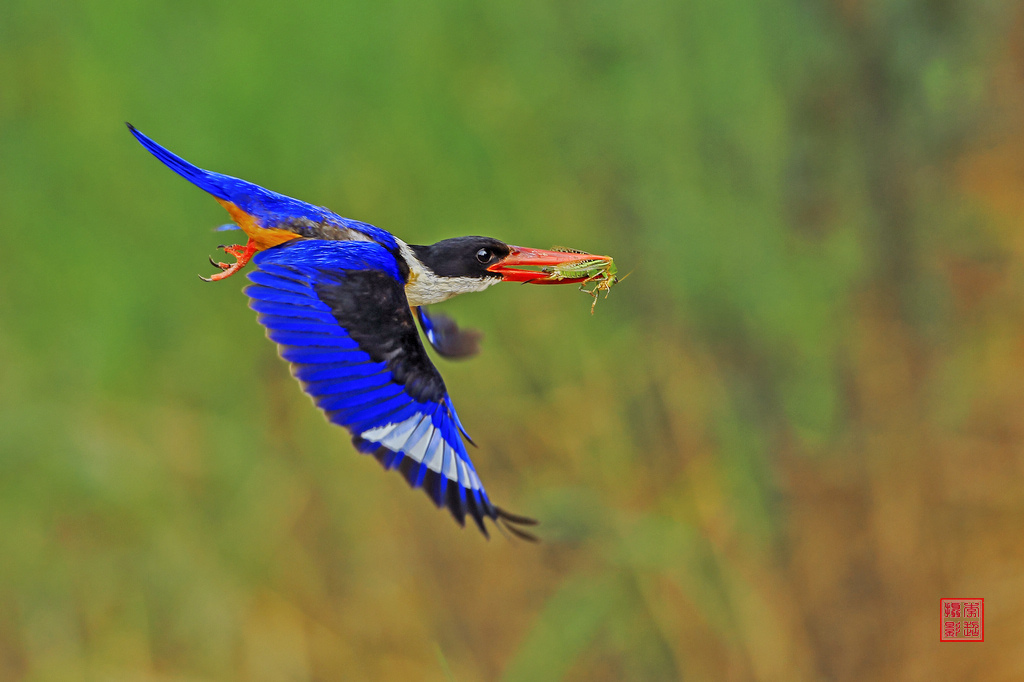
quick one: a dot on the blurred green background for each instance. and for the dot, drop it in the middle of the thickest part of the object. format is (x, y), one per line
(767, 456)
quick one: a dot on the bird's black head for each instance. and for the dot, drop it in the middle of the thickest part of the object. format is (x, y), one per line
(463, 257)
(464, 264)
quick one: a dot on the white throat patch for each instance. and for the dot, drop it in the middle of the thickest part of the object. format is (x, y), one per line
(426, 288)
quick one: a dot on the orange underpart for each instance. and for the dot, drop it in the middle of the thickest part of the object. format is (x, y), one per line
(259, 238)
(262, 237)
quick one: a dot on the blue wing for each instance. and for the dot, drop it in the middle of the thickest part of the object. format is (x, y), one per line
(338, 311)
(446, 337)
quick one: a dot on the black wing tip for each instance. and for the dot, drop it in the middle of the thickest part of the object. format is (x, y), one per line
(515, 518)
(430, 481)
(463, 344)
(509, 521)
(447, 338)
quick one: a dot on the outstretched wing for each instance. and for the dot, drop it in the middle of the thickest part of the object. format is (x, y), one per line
(338, 311)
(446, 337)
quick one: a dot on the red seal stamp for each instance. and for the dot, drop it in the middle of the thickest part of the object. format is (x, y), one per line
(962, 620)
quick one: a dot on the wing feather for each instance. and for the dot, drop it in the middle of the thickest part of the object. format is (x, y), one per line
(338, 312)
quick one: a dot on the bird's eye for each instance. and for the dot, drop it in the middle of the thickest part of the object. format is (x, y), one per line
(484, 255)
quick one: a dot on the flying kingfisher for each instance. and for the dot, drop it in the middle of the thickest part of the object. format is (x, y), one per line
(339, 296)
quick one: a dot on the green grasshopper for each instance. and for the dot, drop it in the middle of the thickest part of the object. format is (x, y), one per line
(600, 272)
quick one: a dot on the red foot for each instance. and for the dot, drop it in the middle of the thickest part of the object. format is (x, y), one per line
(242, 255)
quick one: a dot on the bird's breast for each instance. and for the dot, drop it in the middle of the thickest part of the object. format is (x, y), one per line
(421, 291)
(263, 237)
(425, 288)
(290, 227)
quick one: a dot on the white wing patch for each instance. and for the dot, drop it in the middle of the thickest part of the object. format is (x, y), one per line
(418, 439)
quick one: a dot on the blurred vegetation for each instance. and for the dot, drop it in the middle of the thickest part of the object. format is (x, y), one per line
(767, 456)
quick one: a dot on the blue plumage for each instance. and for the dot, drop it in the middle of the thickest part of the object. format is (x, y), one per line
(446, 337)
(407, 421)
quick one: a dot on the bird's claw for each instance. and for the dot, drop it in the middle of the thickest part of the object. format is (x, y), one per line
(242, 254)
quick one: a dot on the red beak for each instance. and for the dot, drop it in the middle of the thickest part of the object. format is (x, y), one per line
(534, 266)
